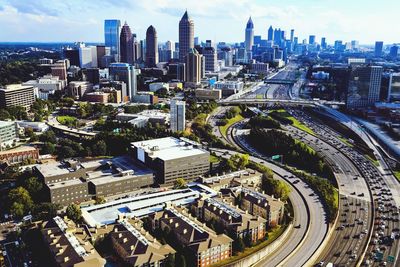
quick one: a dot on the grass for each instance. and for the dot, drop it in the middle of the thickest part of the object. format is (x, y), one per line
(214, 159)
(344, 140)
(397, 174)
(67, 120)
(272, 236)
(310, 149)
(296, 123)
(374, 161)
(224, 129)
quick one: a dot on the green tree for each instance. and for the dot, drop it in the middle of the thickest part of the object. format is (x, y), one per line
(181, 261)
(34, 187)
(17, 209)
(170, 260)
(66, 152)
(49, 137)
(238, 245)
(180, 183)
(74, 212)
(20, 196)
(241, 161)
(99, 148)
(100, 200)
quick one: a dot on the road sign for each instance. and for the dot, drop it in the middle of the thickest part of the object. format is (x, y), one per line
(390, 259)
(275, 157)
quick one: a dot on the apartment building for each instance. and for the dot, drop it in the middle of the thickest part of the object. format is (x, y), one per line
(136, 247)
(240, 222)
(70, 245)
(206, 246)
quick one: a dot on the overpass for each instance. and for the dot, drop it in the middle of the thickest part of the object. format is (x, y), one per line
(301, 102)
(279, 81)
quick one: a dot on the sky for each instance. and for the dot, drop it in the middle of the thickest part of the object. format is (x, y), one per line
(218, 20)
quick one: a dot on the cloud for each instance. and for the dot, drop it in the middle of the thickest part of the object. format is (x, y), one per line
(37, 7)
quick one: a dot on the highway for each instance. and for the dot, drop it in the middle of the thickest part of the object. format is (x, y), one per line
(385, 236)
(318, 220)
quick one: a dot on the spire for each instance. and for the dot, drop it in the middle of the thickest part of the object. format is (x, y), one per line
(185, 16)
(250, 24)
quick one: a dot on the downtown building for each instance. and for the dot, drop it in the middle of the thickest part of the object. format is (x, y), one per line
(364, 86)
(126, 45)
(249, 39)
(112, 36)
(151, 47)
(14, 95)
(124, 72)
(186, 36)
(178, 115)
(194, 68)
(172, 158)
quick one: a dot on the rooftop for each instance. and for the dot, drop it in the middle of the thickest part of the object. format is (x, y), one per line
(15, 87)
(6, 123)
(168, 148)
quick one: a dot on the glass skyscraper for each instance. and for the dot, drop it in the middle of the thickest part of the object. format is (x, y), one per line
(111, 36)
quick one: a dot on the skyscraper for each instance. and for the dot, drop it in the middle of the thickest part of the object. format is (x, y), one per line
(249, 36)
(364, 86)
(194, 67)
(311, 39)
(151, 47)
(126, 73)
(323, 43)
(177, 115)
(270, 33)
(111, 36)
(394, 51)
(291, 35)
(210, 58)
(378, 48)
(126, 45)
(186, 36)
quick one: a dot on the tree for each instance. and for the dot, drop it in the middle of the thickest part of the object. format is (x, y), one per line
(170, 260)
(100, 200)
(180, 183)
(65, 152)
(17, 209)
(49, 137)
(74, 212)
(34, 187)
(99, 148)
(181, 261)
(238, 245)
(48, 148)
(20, 199)
(241, 161)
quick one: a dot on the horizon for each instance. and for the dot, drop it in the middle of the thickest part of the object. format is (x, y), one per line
(40, 22)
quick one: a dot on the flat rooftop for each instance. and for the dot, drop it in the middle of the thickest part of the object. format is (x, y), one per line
(143, 205)
(6, 123)
(168, 148)
(15, 87)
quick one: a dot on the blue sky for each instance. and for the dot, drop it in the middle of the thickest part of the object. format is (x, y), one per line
(219, 20)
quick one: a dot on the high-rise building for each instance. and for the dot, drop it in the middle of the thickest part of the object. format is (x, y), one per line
(311, 39)
(394, 51)
(186, 36)
(111, 36)
(210, 59)
(126, 45)
(126, 73)
(270, 33)
(291, 35)
(249, 37)
(323, 43)
(355, 45)
(59, 69)
(177, 115)
(194, 67)
(151, 47)
(17, 95)
(394, 87)
(88, 56)
(364, 86)
(72, 54)
(378, 48)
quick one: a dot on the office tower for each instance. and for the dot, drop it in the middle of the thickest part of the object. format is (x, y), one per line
(196, 41)
(17, 95)
(394, 50)
(137, 49)
(72, 54)
(170, 45)
(394, 87)
(87, 57)
(323, 43)
(111, 37)
(270, 33)
(151, 47)
(177, 115)
(291, 35)
(186, 36)
(378, 48)
(364, 86)
(339, 45)
(249, 35)
(226, 54)
(210, 59)
(355, 45)
(126, 45)
(101, 52)
(59, 69)
(194, 67)
(126, 73)
(177, 70)
(311, 39)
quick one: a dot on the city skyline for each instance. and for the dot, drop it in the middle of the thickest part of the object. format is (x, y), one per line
(221, 20)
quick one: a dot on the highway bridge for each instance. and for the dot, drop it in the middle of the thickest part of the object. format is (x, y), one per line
(280, 81)
(300, 102)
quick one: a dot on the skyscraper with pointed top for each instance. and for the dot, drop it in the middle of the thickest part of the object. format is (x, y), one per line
(249, 38)
(151, 47)
(270, 33)
(126, 45)
(186, 36)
